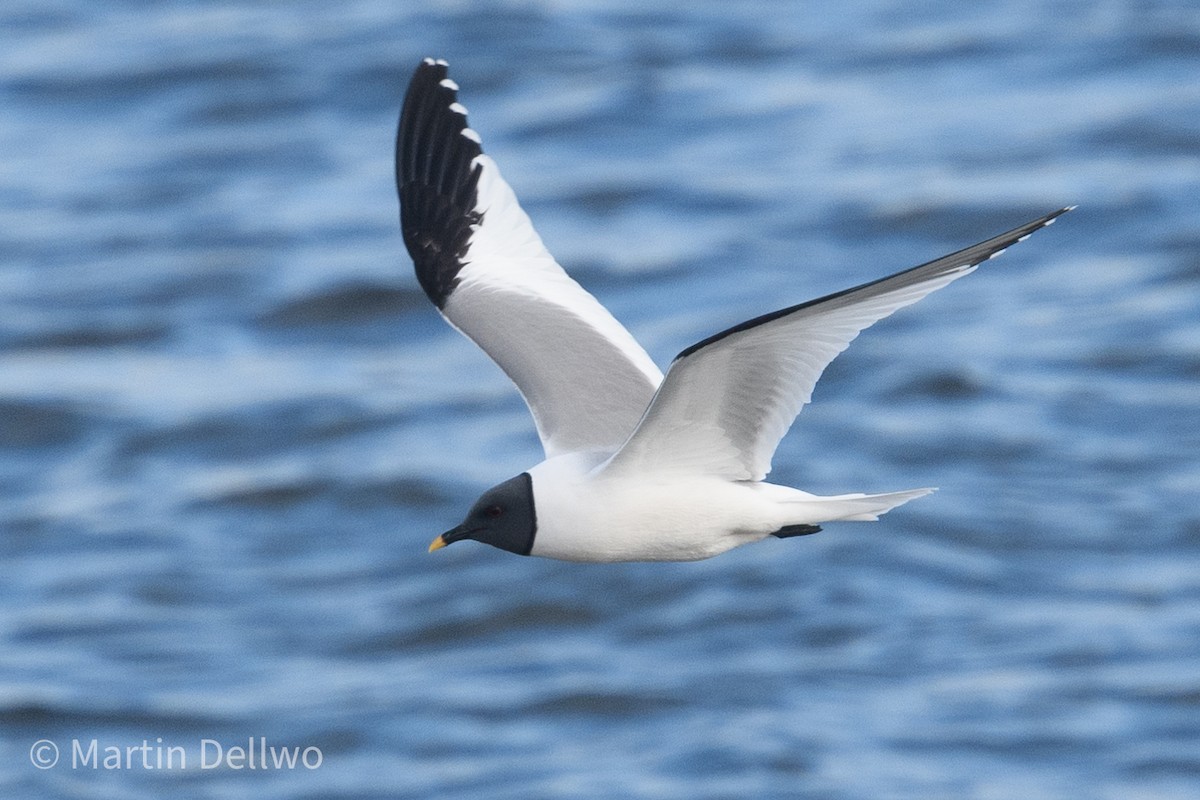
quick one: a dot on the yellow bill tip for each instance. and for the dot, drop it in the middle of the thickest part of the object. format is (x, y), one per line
(437, 544)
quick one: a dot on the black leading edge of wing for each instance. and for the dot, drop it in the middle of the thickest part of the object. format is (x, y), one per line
(435, 180)
(967, 257)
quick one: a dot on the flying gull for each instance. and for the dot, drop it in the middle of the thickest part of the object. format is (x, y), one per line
(638, 467)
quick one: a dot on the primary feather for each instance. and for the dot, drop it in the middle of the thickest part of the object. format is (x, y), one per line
(727, 401)
(584, 377)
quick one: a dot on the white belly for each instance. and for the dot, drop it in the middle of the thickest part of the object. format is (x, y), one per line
(668, 519)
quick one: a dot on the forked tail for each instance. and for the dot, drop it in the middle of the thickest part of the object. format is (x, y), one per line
(853, 507)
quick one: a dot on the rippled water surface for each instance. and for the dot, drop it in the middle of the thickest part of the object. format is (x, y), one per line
(230, 423)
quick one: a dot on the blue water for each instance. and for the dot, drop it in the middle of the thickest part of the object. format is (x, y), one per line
(230, 423)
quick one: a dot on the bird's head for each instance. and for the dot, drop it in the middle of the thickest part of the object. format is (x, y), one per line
(502, 517)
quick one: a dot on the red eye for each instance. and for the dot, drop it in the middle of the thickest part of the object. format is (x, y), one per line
(491, 512)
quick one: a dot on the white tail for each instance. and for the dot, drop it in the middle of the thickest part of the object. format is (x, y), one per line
(851, 507)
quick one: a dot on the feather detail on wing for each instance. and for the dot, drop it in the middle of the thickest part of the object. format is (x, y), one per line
(728, 400)
(586, 380)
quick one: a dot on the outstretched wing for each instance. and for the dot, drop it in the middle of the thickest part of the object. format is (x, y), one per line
(585, 379)
(728, 400)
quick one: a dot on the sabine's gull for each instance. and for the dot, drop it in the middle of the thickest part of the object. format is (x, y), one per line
(638, 467)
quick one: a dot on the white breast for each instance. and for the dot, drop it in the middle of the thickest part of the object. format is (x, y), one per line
(584, 517)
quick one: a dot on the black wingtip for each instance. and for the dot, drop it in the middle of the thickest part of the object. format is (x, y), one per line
(993, 247)
(967, 257)
(436, 178)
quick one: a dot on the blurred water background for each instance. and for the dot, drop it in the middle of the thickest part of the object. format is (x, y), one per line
(230, 423)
